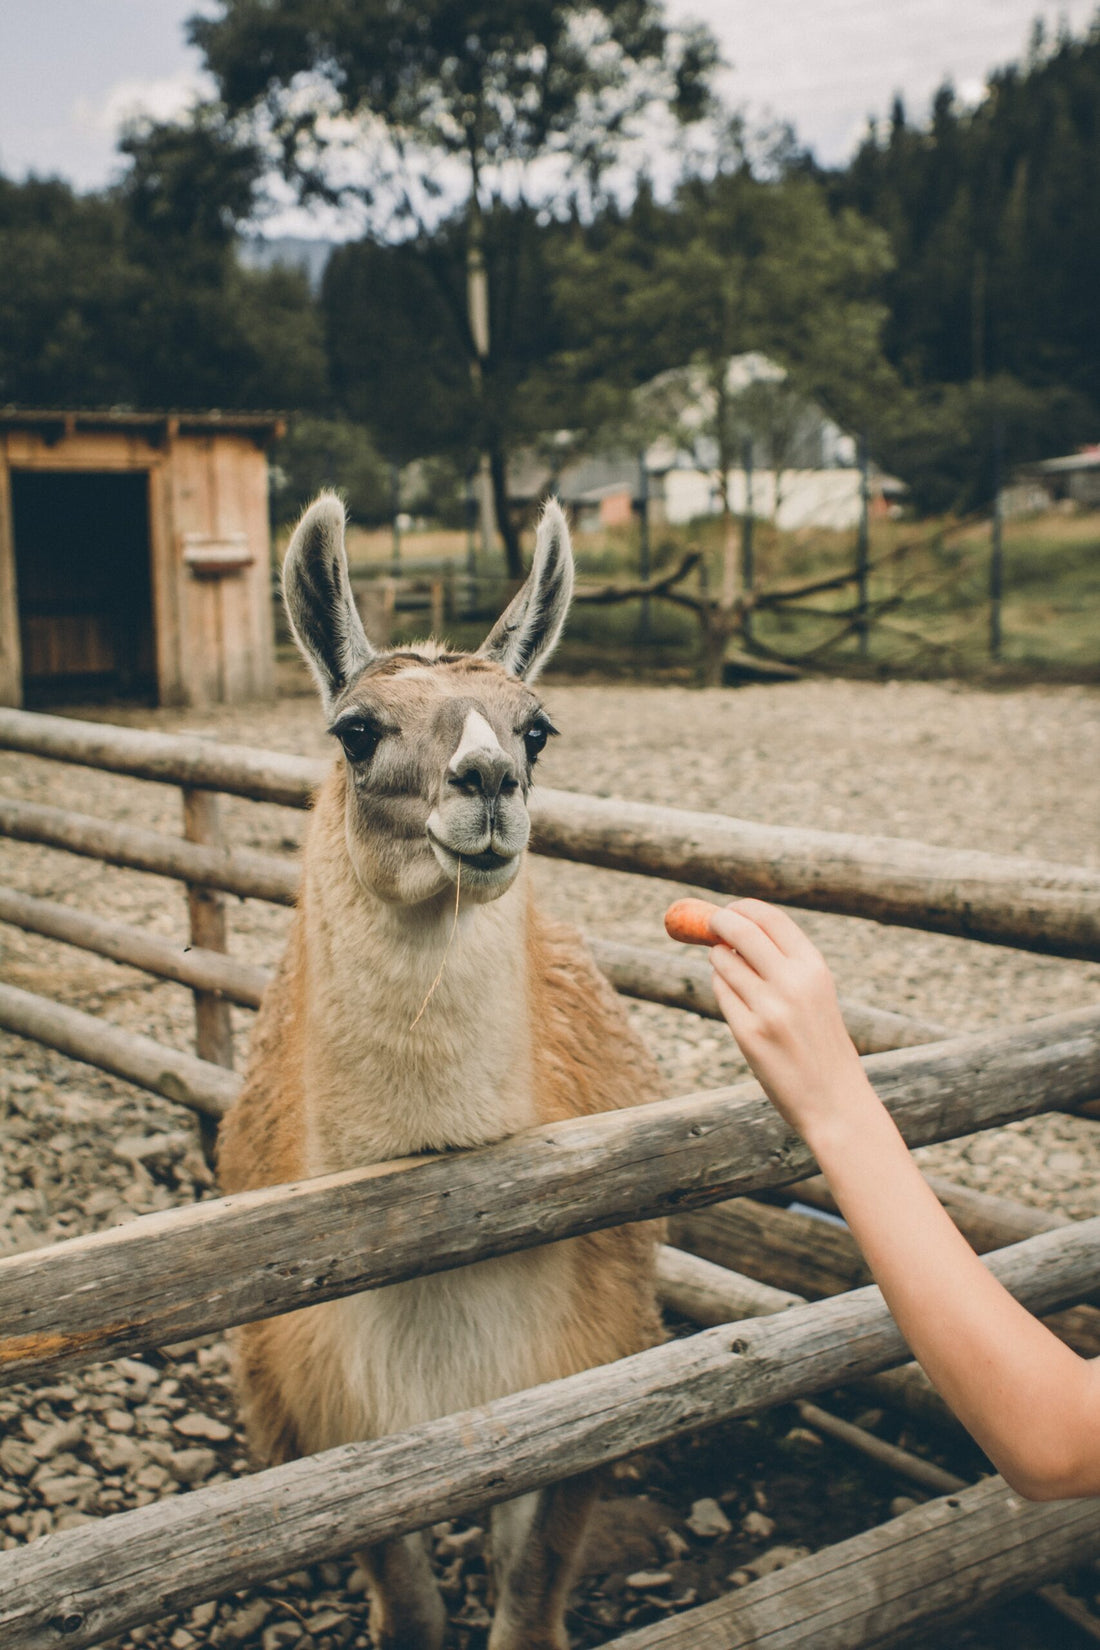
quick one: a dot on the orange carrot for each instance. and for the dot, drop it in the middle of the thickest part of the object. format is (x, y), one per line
(689, 920)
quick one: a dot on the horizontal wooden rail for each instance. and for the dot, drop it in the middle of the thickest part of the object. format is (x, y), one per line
(985, 1219)
(168, 1276)
(204, 970)
(91, 1583)
(798, 1253)
(917, 1574)
(199, 1084)
(1033, 904)
(681, 979)
(235, 870)
(637, 971)
(708, 1295)
(170, 758)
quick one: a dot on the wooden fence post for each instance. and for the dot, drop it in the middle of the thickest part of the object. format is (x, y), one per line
(206, 917)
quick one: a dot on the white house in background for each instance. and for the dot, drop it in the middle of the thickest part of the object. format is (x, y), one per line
(805, 475)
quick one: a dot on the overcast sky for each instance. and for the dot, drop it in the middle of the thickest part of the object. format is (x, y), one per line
(70, 70)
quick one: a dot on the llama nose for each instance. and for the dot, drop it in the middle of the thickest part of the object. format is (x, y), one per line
(484, 773)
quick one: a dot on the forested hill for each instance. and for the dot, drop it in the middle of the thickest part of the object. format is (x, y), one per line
(994, 218)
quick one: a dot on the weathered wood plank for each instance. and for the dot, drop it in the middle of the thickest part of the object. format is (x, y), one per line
(790, 1251)
(209, 931)
(986, 1220)
(681, 979)
(919, 1573)
(1034, 904)
(169, 1276)
(209, 970)
(635, 970)
(173, 759)
(204, 1087)
(236, 870)
(707, 1294)
(87, 1584)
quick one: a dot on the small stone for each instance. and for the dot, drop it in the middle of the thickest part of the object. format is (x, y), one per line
(739, 1578)
(649, 1581)
(674, 1545)
(151, 1477)
(758, 1526)
(10, 1502)
(203, 1614)
(902, 1504)
(325, 1620)
(464, 1543)
(777, 1558)
(247, 1621)
(55, 1492)
(118, 1420)
(707, 1520)
(16, 1458)
(191, 1466)
(57, 1439)
(280, 1634)
(203, 1426)
(181, 1639)
(803, 1438)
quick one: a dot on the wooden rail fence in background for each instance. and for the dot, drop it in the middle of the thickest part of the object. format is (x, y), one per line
(167, 1277)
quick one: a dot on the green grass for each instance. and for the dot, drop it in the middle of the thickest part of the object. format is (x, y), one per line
(934, 575)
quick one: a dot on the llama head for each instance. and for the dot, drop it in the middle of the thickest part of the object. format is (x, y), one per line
(439, 747)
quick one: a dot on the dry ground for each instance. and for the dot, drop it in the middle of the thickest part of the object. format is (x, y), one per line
(1014, 772)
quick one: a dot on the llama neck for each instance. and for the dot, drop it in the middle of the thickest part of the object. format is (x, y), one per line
(381, 1082)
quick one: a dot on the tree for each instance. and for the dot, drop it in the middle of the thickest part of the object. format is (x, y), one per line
(480, 104)
(740, 264)
(135, 296)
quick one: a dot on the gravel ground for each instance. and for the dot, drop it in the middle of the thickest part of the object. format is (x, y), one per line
(1013, 772)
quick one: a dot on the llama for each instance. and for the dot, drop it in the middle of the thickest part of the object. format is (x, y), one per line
(424, 1003)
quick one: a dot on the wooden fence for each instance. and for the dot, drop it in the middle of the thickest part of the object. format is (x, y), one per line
(166, 1277)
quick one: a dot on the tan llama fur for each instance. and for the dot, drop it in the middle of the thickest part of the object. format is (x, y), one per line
(521, 1029)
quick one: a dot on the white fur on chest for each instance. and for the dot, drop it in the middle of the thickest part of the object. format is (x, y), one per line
(396, 1357)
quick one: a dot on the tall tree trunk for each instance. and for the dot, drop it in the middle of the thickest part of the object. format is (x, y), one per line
(498, 466)
(477, 313)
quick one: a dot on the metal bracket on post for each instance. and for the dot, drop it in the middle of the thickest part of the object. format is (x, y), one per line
(207, 922)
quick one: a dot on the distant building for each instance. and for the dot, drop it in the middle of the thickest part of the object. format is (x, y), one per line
(134, 556)
(1073, 480)
(804, 466)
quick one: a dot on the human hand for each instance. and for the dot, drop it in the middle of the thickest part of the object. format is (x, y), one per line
(778, 998)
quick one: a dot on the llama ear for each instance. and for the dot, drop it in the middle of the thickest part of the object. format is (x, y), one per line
(527, 632)
(319, 604)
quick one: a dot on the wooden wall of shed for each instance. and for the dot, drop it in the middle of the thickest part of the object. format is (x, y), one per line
(215, 638)
(217, 489)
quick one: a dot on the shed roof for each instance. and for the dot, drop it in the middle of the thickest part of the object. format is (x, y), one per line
(157, 426)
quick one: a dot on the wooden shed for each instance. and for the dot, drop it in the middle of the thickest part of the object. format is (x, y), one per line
(135, 556)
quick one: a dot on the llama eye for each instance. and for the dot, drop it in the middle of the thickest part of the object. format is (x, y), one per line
(359, 739)
(535, 738)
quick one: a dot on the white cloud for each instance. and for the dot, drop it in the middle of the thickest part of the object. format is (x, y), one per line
(163, 99)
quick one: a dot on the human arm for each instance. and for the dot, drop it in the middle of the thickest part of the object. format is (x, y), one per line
(1031, 1402)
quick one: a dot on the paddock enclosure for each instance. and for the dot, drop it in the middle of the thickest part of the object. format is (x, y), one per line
(134, 556)
(716, 1162)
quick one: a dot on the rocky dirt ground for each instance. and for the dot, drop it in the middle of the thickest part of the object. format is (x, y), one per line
(1014, 772)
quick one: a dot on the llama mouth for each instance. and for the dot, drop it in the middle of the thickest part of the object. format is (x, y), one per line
(485, 863)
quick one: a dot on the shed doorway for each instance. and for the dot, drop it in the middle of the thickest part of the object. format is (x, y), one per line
(82, 568)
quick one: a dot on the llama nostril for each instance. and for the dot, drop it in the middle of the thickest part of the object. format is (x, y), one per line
(469, 782)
